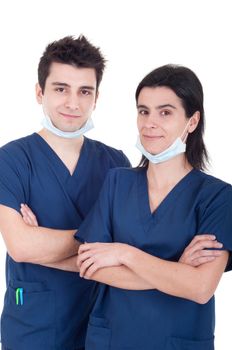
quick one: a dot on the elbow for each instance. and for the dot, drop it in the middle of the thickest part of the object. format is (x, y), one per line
(20, 254)
(17, 255)
(203, 295)
(202, 299)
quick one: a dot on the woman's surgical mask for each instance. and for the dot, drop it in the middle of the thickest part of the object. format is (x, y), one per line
(176, 148)
(47, 124)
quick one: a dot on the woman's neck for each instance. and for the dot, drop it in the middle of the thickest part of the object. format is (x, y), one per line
(168, 174)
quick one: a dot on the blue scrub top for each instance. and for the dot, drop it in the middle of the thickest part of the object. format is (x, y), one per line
(56, 303)
(150, 319)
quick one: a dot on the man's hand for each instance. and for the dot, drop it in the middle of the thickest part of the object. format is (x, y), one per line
(28, 216)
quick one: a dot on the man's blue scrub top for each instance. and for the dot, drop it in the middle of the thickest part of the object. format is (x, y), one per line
(56, 303)
(152, 320)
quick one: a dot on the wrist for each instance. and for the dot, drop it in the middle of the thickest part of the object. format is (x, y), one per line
(127, 254)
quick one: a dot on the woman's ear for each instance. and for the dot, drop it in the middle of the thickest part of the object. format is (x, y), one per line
(194, 122)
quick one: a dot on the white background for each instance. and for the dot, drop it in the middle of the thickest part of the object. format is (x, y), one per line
(135, 36)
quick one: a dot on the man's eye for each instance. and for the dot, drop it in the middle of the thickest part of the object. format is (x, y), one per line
(60, 89)
(85, 92)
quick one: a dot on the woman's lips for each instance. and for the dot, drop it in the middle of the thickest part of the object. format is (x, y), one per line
(152, 137)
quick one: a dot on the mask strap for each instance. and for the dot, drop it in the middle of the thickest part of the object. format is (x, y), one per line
(185, 133)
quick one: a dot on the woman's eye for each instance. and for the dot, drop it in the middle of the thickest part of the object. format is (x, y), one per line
(164, 113)
(143, 112)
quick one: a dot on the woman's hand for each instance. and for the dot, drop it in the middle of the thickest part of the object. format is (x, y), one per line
(198, 252)
(28, 216)
(94, 256)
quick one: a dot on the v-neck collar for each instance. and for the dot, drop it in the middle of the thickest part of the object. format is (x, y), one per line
(59, 164)
(150, 218)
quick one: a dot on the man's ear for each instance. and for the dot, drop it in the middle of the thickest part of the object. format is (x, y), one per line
(96, 98)
(38, 93)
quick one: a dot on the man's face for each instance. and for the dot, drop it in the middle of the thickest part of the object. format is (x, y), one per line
(69, 96)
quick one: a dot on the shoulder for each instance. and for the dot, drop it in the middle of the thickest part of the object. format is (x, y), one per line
(111, 154)
(16, 151)
(212, 183)
(212, 189)
(124, 175)
(17, 146)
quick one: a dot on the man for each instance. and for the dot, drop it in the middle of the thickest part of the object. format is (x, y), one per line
(58, 173)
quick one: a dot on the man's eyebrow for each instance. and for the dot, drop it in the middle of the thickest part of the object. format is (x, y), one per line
(165, 105)
(142, 106)
(57, 83)
(87, 87)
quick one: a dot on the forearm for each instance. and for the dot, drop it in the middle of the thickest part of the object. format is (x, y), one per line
(34, 244)
(42, 245)
(121, 277)
(68, 264)
(174, 278)
(118, 276)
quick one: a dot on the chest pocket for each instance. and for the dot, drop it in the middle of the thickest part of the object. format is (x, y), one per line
(28, 321)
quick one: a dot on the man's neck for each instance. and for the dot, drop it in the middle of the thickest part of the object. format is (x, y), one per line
(61, 144)
(68, 150)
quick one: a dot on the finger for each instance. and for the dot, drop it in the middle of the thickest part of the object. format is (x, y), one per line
(206, 253)
(202, 260)
(30, 214)
(84, 256)
(85, 265)
(23, 211)
(203, 245)
(91, 271)
(85, 246)
(198, 238)
(26, 218)
(26, 221)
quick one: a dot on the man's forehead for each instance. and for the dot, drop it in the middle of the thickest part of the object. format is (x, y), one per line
(71, 75)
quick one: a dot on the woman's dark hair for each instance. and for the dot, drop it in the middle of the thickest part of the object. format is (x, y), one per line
(76, 52)
(188, 88)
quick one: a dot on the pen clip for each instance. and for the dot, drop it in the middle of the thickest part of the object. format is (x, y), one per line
(19, 296)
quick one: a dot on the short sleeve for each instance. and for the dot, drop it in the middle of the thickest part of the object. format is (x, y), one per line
(12, 193)
(217, 219)
(97, 225)
(126, 163)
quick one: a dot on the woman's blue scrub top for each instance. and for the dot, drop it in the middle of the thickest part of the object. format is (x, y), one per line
(152, 320)
(56, 303)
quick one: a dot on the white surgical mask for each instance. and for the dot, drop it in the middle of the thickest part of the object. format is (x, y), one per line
(47, 124)
(176, 148)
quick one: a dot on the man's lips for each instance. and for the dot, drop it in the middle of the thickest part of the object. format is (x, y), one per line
(65, 115)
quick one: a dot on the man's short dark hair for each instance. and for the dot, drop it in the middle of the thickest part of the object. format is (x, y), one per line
(78, 52)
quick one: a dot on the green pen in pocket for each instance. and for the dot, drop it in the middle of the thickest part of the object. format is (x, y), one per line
(19, 296)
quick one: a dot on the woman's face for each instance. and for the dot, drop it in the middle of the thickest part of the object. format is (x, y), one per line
(161, 118)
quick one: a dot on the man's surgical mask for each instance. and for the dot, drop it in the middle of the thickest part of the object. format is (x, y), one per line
(47, 124)
(176, 148)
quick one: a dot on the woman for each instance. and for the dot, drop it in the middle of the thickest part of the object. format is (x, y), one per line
(144, 219)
